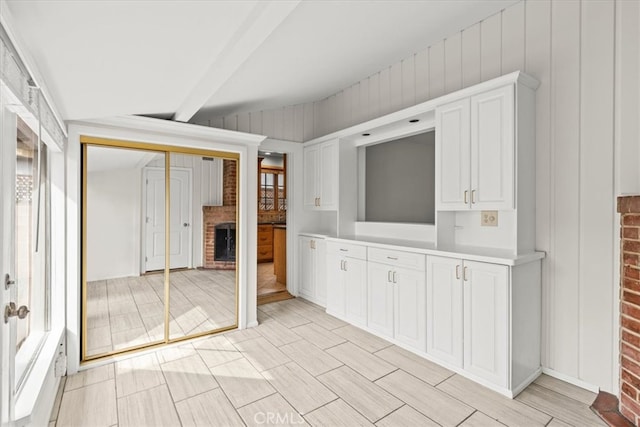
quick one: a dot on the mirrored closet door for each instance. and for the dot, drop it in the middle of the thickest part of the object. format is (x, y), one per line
(159, 245)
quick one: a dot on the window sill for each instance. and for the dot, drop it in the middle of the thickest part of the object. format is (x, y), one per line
(30, 398)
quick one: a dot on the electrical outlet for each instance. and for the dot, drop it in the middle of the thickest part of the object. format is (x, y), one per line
(489, 218)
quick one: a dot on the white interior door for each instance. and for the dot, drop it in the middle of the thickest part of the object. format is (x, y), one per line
(180, 218)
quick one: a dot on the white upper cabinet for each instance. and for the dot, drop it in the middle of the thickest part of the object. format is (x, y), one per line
(321, 176)
(475, 152)
(492, 149)
(453, 149)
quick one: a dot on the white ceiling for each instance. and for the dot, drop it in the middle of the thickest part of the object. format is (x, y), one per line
(102, 58)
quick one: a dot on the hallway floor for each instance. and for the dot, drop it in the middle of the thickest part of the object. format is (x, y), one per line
(302, 366)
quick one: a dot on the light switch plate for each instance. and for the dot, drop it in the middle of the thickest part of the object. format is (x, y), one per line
(489, 218)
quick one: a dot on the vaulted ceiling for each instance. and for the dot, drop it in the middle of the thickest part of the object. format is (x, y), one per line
(102, 58)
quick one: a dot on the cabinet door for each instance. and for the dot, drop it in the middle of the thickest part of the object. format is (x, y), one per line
(335, 284)
(492, 149)
(444, 308)
(452, 156)
(486, 321)
(380, 298)
(320, 255)
(310, 176)
(307, 267)
(328, 176)
(355, 285)
(410, 307)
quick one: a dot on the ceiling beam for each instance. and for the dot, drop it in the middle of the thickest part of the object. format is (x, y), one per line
(263, 19)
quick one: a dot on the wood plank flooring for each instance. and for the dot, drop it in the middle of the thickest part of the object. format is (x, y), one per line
(301, 366)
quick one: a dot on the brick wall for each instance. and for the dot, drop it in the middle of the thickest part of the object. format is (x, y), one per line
(229, 180)
(629, 209)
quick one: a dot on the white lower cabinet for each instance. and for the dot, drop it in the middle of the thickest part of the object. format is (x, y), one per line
(312, 284)
(396, 297)
(347, 282)
(470, 320)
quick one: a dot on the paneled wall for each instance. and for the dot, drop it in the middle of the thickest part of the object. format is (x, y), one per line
(586, 56)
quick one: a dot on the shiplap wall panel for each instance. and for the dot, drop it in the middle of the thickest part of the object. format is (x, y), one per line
(562, 43)
(268, 123)
(436, 70)
(278, 123)
(385, 92)
(513, 44)
(244, 122)
(490, 47)
(298, 123)
(596, 190)
(408, 82)
(627, 101)
(565, 75)
(471, 55)
(288, 127)
(256, 122)
(364, 99)
(308, 126)
(422, 75)
(217, 122)
(374, 95)
(453, 63)
(538, 61)
(395, 86)
(231, 122)
(339, 111)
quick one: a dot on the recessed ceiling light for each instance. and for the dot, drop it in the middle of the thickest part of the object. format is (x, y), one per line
(366, 134)
(414, 120)
(267, 154)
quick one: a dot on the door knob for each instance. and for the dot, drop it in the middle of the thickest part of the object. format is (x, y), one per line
(11, 311)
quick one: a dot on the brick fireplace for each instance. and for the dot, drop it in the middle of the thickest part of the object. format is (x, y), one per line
(629, 209)
(221, 218)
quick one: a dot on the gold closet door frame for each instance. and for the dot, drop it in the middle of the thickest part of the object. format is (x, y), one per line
(87, 141)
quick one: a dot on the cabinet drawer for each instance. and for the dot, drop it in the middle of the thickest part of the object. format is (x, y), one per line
(397, 258)
(265, 252)
(348, 249)
(265, 238)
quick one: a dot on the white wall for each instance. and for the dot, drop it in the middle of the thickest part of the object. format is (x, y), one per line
(113, 223)
(586, 56)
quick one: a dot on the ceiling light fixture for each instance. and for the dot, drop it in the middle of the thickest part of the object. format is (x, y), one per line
(414, 120)
(366, 134)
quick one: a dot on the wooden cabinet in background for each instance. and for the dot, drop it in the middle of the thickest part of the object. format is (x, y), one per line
(265, 243)
(280, 254)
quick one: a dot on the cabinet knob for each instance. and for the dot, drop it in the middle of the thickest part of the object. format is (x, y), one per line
(473, 196)
(466, 193)
(458, 272)
(464, 274)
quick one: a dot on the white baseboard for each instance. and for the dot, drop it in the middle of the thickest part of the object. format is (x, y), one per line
(571, 380)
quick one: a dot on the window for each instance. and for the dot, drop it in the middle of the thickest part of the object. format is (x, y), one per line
(273, 194)
(31, 231)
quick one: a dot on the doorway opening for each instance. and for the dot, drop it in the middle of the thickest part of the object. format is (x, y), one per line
(272, 227)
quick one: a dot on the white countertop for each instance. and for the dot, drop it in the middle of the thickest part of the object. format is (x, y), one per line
(471, 253)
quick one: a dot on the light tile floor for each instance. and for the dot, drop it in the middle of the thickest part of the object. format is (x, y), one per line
(129, 311)
(303, 367)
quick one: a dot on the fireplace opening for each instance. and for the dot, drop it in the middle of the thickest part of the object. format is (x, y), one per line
(225, 242)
